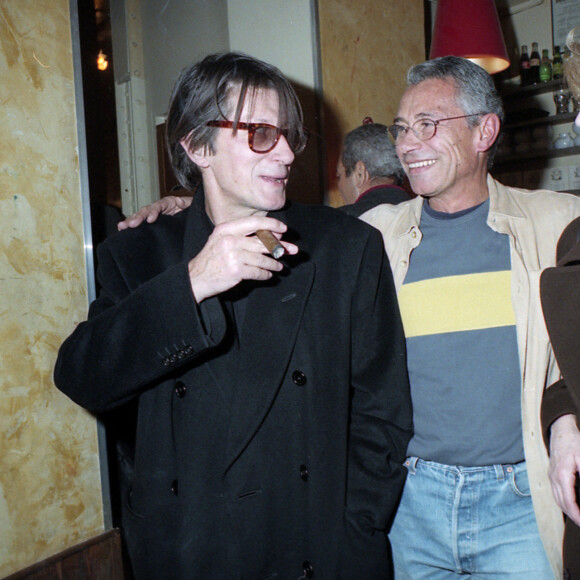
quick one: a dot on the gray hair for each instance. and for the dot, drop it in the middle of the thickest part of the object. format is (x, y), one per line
(372, 145)
(474, 88)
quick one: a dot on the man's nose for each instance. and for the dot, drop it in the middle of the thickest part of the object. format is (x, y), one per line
(284, 151)
(407, 140)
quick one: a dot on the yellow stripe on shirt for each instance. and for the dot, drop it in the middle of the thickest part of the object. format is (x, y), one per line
(457, 303)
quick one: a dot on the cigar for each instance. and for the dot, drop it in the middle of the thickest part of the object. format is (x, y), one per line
(271, 242)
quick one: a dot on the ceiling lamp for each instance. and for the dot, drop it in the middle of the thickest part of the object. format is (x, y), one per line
(470, 29)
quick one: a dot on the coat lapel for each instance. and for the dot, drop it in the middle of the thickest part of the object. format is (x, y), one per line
(272, 320)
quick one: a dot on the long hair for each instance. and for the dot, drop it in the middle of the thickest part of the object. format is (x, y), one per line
(203, 92)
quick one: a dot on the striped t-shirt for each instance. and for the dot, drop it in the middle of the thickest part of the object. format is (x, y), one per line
(461, 342)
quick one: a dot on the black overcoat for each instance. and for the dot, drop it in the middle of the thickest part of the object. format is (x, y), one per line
(275, 453)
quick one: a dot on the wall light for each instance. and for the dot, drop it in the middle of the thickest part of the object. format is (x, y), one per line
(102, 62)
(471, 29)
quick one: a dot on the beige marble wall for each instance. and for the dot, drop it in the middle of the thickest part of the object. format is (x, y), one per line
(50, 496)
(366, 48)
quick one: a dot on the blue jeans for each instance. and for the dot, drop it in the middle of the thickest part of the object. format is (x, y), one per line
(473, 521)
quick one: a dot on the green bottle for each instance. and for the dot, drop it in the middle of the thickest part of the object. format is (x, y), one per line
(545, 67)
(557, 64)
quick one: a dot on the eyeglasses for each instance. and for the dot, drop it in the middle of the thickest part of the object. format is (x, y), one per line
(262, 138)
(423, 129)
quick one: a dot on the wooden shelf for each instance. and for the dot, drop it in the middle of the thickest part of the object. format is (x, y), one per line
(531, 155)
(551, 120)
(509, 93)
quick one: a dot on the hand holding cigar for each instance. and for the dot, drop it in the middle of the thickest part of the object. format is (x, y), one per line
(271, 242)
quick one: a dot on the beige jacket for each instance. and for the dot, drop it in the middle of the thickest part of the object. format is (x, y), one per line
(533, 220)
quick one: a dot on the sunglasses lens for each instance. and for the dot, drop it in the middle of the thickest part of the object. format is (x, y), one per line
(264, 138)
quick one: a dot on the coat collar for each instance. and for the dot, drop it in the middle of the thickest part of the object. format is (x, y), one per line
(198, 226)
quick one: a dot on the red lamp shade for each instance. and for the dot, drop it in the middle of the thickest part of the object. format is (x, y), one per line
(471, 29)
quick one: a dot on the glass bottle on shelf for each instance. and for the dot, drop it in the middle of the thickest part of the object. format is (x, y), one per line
(557, 64)
(534, 64)
(564, 141)
(524, 66)
(545, 67)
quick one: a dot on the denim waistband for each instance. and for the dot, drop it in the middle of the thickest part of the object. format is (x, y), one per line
(501, 470)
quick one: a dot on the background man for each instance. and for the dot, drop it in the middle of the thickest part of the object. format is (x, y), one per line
(273, 403)
(467, 255)
(369, 172)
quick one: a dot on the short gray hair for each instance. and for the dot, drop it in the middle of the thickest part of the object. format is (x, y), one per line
(474, 87)
(372, 145)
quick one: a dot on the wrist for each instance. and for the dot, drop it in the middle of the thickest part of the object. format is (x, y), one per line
(564, 424)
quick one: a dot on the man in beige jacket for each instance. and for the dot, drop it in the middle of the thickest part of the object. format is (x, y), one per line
(467, 255)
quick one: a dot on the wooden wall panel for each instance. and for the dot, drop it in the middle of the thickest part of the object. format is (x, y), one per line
(366, 48)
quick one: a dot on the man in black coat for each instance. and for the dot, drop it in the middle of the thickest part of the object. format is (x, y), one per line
(274, 409)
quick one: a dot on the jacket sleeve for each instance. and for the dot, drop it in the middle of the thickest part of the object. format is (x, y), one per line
(135, 335)
(557, 401)
(381, 413)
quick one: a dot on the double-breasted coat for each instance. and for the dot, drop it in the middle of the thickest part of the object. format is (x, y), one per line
(267, 448)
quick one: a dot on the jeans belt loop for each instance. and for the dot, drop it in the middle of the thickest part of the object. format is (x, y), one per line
(500, 472)
(411, 464)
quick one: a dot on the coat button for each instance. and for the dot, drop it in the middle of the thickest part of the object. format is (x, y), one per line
(299, 378)
(175, 487)
(304, 473)
(307, 569)
(180, 389)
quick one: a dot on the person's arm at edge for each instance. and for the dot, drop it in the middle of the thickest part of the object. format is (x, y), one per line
(168, 205)
(562, 438)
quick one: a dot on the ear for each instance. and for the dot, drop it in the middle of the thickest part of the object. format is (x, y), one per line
(198, 156)
(488, 131)
(360, 174)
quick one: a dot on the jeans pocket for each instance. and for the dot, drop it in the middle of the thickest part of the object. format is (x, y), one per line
(519, 482)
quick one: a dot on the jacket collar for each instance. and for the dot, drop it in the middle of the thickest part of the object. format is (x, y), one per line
(501, 205)
(501, 202)
(198, 226)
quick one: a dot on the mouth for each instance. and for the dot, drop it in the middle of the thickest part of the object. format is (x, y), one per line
(419, 164)
(277, 180)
